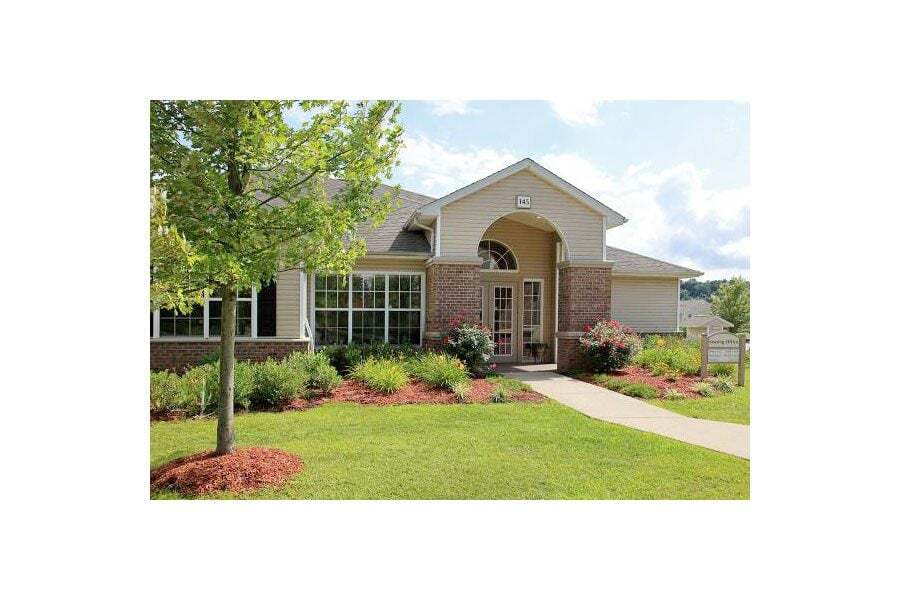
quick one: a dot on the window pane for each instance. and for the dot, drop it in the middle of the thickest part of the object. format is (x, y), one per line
(215, 309)
(415, 300)
(166, 326)
(215, 327)
(244, 309)
(394, 282)
(416, 283)
(182, 326)
(404, 283)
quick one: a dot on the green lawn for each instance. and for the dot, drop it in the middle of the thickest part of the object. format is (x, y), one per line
(512, 450)
(733, 407)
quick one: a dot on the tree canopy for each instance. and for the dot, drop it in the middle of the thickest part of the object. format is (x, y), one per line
(732, 302)
(243, 189)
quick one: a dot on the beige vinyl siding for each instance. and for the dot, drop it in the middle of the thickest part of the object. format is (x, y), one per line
(535, 251)
(648, 304)
(464, 221)
(287, 305)
(389, 264)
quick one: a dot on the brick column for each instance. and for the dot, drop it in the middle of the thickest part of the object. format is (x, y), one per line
(451, 290)
(585, 297)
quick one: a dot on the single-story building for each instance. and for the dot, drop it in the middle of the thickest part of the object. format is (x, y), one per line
(696, 325)
(694, 307)
(522, 251)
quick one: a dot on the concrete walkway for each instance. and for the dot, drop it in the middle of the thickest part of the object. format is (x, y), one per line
(606, 405)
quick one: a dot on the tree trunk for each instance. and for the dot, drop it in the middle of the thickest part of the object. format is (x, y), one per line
(225, 430)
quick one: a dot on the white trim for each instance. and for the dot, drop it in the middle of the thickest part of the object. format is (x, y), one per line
(433, 208)
(541, 313)
(513, 342)
(156, 324)
(253, 312)
(603, 236)
(556, 315)
(508, 249)
(206, 318)
(437, 235)
(678, 306)
(387, 308)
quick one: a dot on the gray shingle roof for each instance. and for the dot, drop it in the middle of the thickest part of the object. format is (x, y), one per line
(695, 307)
(390, 235)
(638, 264)
(703, 321)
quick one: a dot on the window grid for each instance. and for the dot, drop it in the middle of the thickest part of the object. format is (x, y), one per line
(172, 323)
(373, 307)
(531, 312)
(503, 320)
(496, 256)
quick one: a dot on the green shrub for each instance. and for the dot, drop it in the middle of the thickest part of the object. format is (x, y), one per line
(608, 346)
(673, 375)
(722, 369)
(275, 382)
(243, 384)
(461, 389)
(383, 375)
(472, 344)
(673, 394)
(165, 391)
(437, 370)
(674, 353)
(316, 369)
(499, 395)
(344, 358)
(721, 384)
(609, 382)
(199, 389)
(639, 390)
(705, 389)
(659, 369)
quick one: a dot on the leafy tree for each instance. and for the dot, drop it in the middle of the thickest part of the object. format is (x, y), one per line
(732, 302)
(701, 290)
(244, 194)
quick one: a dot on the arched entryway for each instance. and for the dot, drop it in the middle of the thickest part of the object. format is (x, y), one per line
(519, 254)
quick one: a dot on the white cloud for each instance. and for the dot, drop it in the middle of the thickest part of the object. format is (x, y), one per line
(441, 170)
(672, 215)
(740, 248)
(451, 107)
(577, 112)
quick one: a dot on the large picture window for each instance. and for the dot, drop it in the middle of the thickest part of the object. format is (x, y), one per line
(368, 307)
(243, 324)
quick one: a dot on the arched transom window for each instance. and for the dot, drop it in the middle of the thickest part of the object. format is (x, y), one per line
(496, 256)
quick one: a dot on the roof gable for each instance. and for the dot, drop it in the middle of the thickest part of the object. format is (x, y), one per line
(632, 263)
(613, 218)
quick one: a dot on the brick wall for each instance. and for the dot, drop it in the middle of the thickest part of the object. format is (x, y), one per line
(585, 297)
(182, 354)
(451, 290)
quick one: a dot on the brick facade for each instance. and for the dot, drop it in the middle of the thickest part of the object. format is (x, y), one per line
(451, 290)
(585, 297)
(179, 355)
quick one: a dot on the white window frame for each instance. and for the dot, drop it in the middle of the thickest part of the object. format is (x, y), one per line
(539, 280)
(387, 308)
(508, 247)
(206, 336)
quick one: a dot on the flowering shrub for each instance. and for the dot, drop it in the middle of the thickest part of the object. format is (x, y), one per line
(470, 343)
(608, 346)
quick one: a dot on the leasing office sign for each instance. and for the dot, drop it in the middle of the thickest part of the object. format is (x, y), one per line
(722, 347)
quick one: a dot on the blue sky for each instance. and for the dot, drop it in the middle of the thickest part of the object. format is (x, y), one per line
(679, 170)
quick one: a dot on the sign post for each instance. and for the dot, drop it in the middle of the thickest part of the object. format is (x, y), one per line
(722, 347)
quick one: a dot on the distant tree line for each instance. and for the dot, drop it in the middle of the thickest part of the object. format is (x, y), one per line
(699, 290)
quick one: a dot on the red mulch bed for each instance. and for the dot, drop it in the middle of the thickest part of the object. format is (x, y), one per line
(415, 392)
(634, 374)
(243, 470)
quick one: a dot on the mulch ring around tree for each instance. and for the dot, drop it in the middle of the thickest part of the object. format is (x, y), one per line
(243, 470)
